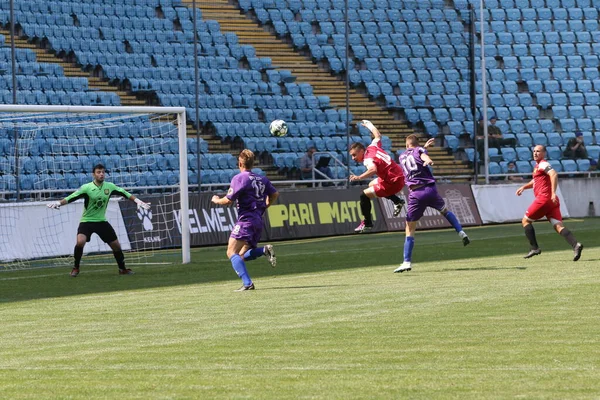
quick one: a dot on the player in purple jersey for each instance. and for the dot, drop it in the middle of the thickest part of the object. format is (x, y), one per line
(252, 194)
(422, 194)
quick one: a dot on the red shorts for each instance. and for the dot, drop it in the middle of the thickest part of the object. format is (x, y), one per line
(544, 208)
(385, 189)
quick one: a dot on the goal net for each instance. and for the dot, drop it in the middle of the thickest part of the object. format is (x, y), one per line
(48, 152)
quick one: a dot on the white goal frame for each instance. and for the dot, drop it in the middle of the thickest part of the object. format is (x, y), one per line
(182, 139)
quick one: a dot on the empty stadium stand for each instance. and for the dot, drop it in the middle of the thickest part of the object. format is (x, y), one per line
(268, 59)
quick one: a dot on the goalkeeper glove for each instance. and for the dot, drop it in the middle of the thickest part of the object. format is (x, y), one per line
(145, 206)
(54, 204)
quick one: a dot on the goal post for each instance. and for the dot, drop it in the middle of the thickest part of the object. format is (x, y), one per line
(47, 152)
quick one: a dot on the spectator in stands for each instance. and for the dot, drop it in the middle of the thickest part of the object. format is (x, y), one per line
(495, 137)
(575, 147)
(511, 169)
(307, 165)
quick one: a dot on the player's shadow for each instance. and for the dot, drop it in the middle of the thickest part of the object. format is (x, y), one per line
(480, 269)
(301, 287)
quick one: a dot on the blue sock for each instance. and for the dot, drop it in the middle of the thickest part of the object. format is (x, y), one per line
(239, 266)
(453, 220)
(409, 243)
(253, 254)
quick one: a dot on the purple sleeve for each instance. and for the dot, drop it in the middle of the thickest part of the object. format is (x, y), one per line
(235, 188)
(269, 188)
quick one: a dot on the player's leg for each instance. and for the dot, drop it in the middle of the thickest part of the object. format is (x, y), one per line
(391, 194)
(436, 201)
(365, 207)
(451, 217)
(109, 236)
(555, 218)
(267, 250)
(82, 239)
(251, 251)
(415, 208)
(119, 257)
(533, 213)
(234, 248)
(534, 249)
(409, 244)
(398, 203)
(84, 234)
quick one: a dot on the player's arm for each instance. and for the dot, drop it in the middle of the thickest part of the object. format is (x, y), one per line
(371, 170)
(429, 143)
(528, 185)
(221, 201)
(369, 125)
(426, 159)
(272, 198)
(229, 198)
(553, 184)
(79, 193)
(116, 190)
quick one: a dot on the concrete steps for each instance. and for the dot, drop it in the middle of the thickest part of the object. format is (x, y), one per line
(73, 71)
(283, 56)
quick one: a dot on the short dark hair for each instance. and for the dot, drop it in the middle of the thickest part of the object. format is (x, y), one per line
(98, 166)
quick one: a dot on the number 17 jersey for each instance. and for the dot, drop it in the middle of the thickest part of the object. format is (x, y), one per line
(387, 169)
(415, 172)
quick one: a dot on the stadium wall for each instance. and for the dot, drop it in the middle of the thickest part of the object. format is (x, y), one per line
(299, 214)
(581, 196)
(32, 230)
(499, 203)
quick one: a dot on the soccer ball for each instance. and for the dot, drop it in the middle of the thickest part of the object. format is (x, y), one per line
(278, 128)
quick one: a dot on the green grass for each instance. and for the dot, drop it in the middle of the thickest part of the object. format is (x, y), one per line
(331, 321)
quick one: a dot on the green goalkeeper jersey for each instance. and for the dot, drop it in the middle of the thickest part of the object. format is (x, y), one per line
(96, 199)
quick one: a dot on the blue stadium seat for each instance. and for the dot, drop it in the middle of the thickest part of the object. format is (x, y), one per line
(523, 154)
(524, 140)
(583, 165)
(554, 152)
(554, 139)
(593, 151)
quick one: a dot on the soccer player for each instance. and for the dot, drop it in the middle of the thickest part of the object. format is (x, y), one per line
(253, 194)
(422, 194)
(389, 181)
(96, 195)
(546, 204)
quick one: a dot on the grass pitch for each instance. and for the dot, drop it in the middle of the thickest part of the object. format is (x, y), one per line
(330, 322)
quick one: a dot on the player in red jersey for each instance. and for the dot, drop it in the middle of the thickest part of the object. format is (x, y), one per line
(389, 181)
(546, 204)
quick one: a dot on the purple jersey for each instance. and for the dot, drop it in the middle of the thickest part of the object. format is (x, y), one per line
(414, 171)
(250, 192)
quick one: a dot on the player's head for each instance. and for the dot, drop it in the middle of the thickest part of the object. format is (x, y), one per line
(412, 141)
(539, 152)
(246, 160)
(98, 172)
(357, 151)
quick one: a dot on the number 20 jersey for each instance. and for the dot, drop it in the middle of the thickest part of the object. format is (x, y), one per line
(416, 173)
(387, 169)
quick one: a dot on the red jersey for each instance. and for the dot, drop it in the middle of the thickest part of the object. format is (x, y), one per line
(387, 169)
(542, 187)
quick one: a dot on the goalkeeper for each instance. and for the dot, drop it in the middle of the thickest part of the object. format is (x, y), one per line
(96, 195)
